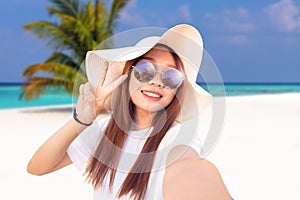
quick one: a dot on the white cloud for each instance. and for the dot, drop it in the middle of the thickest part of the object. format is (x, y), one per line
(240, 26)
(184, 12)
(234, 21)
(284, 15)
(131, 16)
(236, 25)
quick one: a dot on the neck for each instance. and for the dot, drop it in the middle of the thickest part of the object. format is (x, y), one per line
(143, 119)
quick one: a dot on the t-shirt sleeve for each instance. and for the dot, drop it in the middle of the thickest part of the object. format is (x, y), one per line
(78, 153)
(82, 148)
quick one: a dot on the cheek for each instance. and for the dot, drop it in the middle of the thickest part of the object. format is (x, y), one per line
(168, 98)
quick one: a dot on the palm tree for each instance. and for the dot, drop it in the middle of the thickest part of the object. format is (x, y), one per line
(79, 28)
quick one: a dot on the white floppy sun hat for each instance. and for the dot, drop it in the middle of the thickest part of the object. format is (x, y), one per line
(187, 43)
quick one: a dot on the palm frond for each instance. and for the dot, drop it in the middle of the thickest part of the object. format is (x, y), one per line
(101, 17)
(69, 7)
(57, 75)
(57, 38)
(59, 57)
(58, 70)
(115, 10)
(39, 85)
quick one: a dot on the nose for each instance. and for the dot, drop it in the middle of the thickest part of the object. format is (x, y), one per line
(157, 80)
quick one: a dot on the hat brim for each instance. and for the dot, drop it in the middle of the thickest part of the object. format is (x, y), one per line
(187, 43)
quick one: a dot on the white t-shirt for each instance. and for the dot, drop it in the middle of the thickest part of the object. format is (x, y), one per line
(82, 148)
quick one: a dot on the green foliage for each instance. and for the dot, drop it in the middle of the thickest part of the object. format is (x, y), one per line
(77, 28)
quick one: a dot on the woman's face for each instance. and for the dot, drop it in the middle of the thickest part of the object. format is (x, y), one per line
(153, 96)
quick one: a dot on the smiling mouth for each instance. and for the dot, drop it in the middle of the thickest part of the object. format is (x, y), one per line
(151, 94)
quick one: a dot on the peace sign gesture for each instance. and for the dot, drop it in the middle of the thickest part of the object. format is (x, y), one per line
(91, 100)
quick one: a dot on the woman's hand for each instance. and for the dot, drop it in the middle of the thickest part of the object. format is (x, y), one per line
(91, 100)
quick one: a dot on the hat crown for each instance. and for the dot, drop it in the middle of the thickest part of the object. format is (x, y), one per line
(189, 32)
(187, 43)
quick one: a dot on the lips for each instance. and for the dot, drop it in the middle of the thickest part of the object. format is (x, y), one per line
(151, 94)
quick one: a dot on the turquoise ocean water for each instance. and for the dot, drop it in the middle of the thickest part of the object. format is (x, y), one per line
(9, 94)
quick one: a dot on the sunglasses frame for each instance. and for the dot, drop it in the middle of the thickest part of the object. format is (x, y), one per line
(161, 72)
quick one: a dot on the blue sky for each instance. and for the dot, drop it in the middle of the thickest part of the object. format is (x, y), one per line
(250, 41)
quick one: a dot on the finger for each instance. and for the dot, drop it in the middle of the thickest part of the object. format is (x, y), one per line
(81, 93)
(88, 92)
(90, 88)
(81, 89)
(111, 87)
(103, 75)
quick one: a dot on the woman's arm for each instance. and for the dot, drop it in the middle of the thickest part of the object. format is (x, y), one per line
(52, 155)
(194, 179)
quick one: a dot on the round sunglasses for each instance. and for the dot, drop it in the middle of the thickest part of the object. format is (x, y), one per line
(146, 71)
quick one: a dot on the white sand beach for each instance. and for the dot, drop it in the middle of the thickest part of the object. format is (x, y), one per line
(258, 154)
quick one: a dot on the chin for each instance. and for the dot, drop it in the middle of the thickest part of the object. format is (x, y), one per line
(156, 108)
(150, 107)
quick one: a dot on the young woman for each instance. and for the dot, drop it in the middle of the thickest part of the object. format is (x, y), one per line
(147, 148)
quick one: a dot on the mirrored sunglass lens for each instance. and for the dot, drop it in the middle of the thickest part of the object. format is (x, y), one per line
(172, 78)
(144, 71)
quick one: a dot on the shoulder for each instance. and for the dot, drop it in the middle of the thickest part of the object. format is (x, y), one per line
(193, 178)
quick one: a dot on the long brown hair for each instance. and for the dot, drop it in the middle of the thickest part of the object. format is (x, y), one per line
(110, 146)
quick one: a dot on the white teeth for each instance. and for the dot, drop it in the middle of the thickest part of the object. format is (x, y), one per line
(150, 94)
